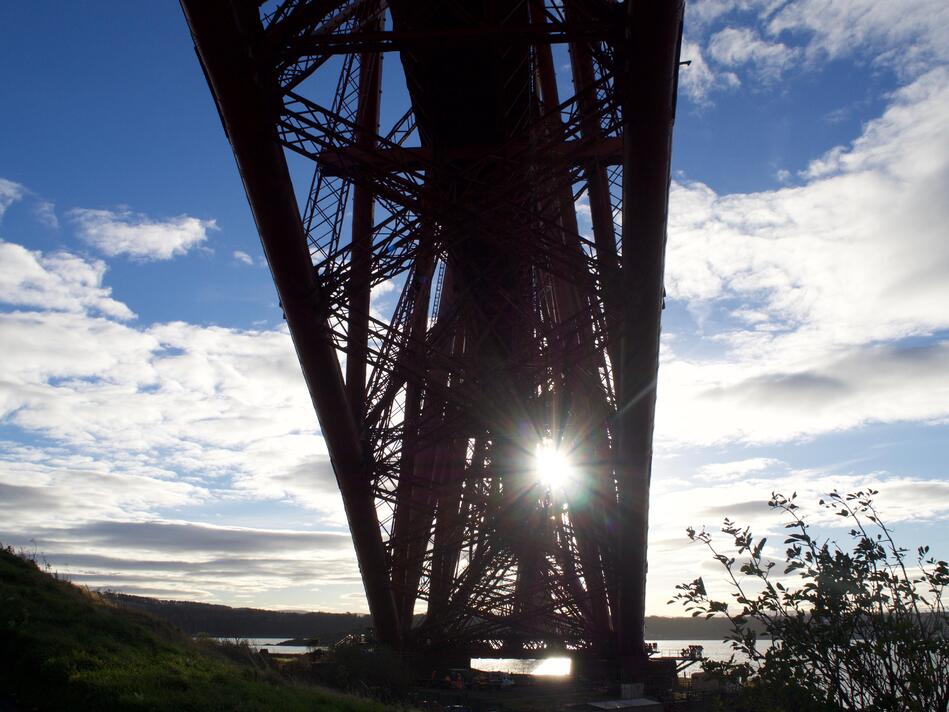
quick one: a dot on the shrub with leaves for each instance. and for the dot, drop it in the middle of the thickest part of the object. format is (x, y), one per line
(861, 627)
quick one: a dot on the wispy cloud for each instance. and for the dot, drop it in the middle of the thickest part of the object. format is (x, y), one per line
(733, 47)
(243, 257)
(736, 470)
(169, 536)
(45, 212)
(138, 236)
(764, 39)
(909, 36)
(10, 193)
(192, 561)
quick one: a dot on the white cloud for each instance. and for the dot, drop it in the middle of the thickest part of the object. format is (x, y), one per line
(243, 257)
(909, 35)
(383, 289)
(220, 410)
(126, 233)
(133, 423)
(60, 281)
(738, 469)
(283, 559)
(824, 280)
(869, 225)
(752, 401)
(97, 524)
(733, 47)
(221, 405)
(697, 79)
(10, 193)
(582, 206)
(55, 487)
(702, 13)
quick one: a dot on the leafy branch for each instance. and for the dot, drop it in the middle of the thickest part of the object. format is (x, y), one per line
(852, 628)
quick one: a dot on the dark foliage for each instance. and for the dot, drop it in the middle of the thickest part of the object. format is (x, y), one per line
(365, 670)
(856, 628)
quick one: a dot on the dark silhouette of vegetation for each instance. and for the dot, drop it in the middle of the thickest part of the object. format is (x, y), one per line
(367, 670)
(855, 628)
(64, 647)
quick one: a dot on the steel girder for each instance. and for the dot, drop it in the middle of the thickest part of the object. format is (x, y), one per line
(512, 326)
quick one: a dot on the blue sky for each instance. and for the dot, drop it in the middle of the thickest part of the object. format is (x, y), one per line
(155, 434)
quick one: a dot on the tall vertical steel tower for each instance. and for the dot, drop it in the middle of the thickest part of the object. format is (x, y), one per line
(490, 432)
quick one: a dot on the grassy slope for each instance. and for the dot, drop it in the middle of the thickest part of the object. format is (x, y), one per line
(62, 647)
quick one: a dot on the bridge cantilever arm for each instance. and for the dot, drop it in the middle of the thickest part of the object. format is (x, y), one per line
(223, 32)
(654, 36)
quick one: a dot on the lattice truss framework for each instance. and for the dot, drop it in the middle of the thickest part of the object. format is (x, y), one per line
(462, 196)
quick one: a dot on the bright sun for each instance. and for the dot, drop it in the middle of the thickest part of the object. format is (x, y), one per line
(551, 465)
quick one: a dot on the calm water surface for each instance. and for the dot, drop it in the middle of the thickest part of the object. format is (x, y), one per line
(711, 649)
(560, 666)
(271, 645)
(546, 667)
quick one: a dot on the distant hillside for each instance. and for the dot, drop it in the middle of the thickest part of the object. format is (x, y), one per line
(669, 628)
(64, 648)
(226, 622)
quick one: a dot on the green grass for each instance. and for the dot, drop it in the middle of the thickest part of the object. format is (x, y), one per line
(62, 647)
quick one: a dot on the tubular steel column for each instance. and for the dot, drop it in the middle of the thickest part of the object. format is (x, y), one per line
(359, 288)
(222, 36)
(649, 97)
(569, 305)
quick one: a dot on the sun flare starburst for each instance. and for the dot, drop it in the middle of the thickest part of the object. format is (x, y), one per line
(551, 465)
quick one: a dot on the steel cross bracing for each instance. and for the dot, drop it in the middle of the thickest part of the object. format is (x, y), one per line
(512, 327)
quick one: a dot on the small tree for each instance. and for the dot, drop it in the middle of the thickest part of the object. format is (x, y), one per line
(858, 630)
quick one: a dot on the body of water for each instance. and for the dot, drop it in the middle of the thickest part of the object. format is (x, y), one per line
(711, 649)
(271, 645)
(544, 667)
(560, 666)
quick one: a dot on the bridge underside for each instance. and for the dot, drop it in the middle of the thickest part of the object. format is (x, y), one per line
(510, 196)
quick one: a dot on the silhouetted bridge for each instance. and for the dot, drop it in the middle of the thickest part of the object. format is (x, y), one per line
(491, 433)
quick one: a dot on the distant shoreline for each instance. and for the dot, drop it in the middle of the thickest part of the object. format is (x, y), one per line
(301, 642)
(328, 628)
